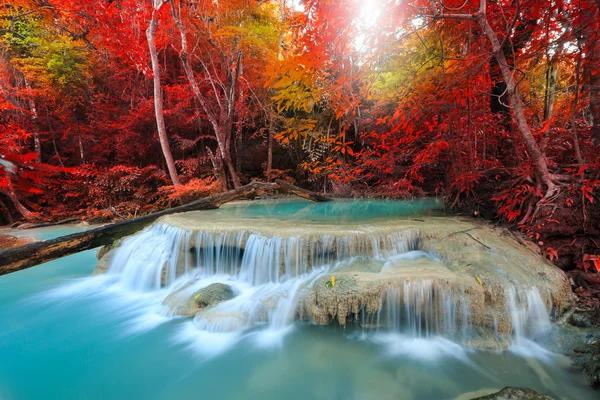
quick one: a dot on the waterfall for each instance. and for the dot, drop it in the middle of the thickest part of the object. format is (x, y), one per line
(158, 255)
(146, 259)
(268, 274)
(528, 314)
(422, 309)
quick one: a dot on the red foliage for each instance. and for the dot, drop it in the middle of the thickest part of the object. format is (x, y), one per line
(413, 103)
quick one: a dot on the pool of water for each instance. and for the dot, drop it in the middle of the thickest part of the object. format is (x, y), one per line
(66, 335)
(337, 211)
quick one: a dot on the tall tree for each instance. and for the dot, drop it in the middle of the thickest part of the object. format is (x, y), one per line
(158, 93)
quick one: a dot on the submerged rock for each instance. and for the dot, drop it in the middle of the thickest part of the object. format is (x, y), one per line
(513, 393)
(188, 301)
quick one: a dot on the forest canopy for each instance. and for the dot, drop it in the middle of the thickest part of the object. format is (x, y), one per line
(114, 108)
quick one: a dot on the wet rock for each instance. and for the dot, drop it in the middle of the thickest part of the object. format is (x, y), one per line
(213, 295)
(181, 302)
(581, 321)
(105, 249)
(105, 255)
(104, 262)
(476, 263)
(188, 301)
(587, 356)
(512, 393)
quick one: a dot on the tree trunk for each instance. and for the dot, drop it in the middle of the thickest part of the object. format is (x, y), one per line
(227, 159)
(238, 149)
(81, 153)
(307, 194)
(270, 149)
(158, 100)
(540, 162)
(550, 90)
(37, 146)
(27, 256)
(217, 163)
(10, 192)
(217, 123)
(592, 16)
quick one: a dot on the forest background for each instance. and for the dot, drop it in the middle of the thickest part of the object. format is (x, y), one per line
(110, 109)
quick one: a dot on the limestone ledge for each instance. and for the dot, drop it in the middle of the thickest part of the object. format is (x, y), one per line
(474, 258)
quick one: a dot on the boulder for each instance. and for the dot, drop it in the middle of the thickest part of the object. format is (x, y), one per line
(188, 302)
(213, 295)
(512, 393)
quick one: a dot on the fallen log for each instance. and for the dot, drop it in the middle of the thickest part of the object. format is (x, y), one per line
(22, 257)
(307, 194)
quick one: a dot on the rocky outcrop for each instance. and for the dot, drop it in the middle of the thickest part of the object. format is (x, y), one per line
(478, 262)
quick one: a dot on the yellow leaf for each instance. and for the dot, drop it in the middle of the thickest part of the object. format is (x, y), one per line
(478, 280)
(332, 280)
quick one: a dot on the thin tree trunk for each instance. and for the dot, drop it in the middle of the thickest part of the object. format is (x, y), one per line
(228, 164)
(10, 192)
(158, 99)
(37, 146)
(217, 163)
(540, 162)
(550, 90)
(270, 149)
(189, 73)
(81, 153)
(56, 152)
(238, 149)
(574, 110)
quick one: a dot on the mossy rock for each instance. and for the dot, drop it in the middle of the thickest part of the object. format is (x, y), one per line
(213, 295)
(188, 302)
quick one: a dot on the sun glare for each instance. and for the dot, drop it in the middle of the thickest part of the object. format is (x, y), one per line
(370, 10)
(368, 15)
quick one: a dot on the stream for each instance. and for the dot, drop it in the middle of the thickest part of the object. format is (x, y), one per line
(69, 335)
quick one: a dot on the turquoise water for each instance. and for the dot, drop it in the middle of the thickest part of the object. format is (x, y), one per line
(64, 336)
(341, 210)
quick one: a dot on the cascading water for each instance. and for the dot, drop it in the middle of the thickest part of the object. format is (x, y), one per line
(422, 309)
(528, 313)
(267, 273)
(159, 254)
